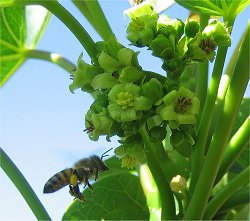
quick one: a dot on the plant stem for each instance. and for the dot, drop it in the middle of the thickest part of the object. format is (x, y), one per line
(201, 72)
(95, 15)
(151, 192)
(166, 195)
(74, 26)
(224, 194)
(52, 57)
(216, 150)
(23, 186)
(206, 118)
(224, 84)
(235, 147)
(238, 199)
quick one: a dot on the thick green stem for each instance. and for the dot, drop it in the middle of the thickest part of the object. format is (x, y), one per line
(23, 186)
(224, 84)
(216, 150)
(202, 71)
(222, 196)
(52, 57)
(166, 194)
(238, 199)
(206, 118)
(235, 147)
(151, 193)
(74, 26)
(95, 15)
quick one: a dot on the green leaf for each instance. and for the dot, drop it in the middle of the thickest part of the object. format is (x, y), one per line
(118, 196)
(229, 9)
(21, 28)
(203, 6)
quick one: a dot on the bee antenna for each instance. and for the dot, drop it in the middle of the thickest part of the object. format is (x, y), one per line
(103, 155)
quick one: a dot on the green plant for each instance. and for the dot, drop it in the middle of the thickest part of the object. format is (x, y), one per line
(184, 135)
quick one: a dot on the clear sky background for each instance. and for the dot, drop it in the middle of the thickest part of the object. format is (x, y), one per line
(42, 123)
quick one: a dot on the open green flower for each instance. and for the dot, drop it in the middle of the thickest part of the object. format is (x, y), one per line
(98, 124)
(141, 30)
(84, 75)
(132, 153)
(201, 49)
(179, 107)
(218, 32)
(126, 104)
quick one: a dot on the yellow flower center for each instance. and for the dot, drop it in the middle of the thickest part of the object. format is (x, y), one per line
(125, 100)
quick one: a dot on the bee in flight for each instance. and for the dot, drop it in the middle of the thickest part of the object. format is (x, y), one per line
(83, 170)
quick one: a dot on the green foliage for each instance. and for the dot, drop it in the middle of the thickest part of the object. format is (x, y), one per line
(17, 33)
(118, 196)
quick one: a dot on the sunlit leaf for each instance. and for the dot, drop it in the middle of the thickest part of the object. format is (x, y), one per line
(21, 27)
(227, 8)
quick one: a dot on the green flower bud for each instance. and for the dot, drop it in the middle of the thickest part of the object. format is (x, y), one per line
(104, 81)
(180, 106)
(140, 10)
(162, 47)
(84, 75)
(108, 63)
(176, 138)
(141, 30)
(178, 184)
(153, 90)
(126, 104)
(98, 124)
(130, 74)
(125, 56)
(192, 27)
(218, 32)
(179, 27)
(175, 65)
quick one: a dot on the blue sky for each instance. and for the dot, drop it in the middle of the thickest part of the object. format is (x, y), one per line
(42, 123)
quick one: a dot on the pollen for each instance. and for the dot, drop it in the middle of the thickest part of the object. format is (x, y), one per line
(73, 180)
(182, 105)
(125, 100)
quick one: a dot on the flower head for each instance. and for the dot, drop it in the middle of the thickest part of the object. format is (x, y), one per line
(84, 75)
(179, 107)
(98, 124)
(126, 104)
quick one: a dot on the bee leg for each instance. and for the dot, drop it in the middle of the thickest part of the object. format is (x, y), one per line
(96, 174)
(90, 186)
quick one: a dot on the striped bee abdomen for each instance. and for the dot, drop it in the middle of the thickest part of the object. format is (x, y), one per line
(58, 181)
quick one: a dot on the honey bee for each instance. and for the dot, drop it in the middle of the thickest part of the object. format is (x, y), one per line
(83, 170)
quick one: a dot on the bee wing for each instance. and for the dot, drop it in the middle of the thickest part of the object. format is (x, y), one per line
(82, 163)
(58, 181)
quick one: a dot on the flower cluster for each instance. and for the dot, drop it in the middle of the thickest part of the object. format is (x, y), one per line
(127, 97)
(176, 43)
